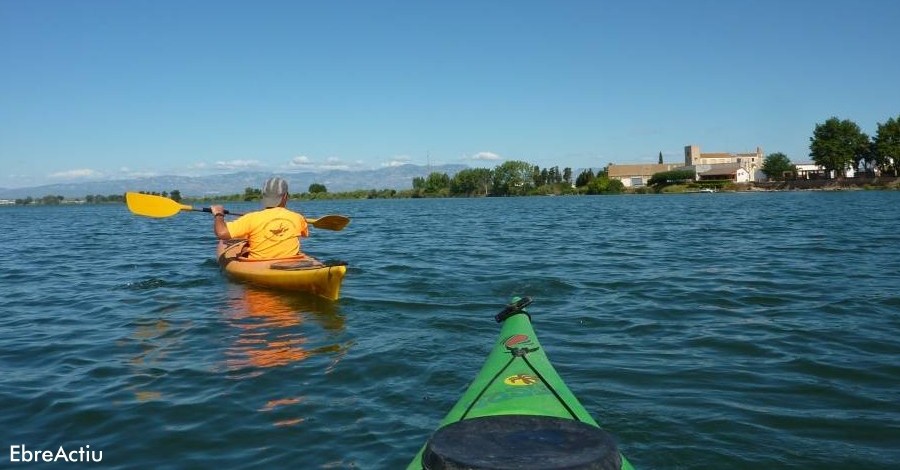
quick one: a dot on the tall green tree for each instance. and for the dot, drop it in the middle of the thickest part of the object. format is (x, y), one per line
(317, 188)
(776, 165)
(602, 184)
(584, 177)
(660, 158)
(554, 175)
(437, 183)
(471, 182)
(252, 194)
(512, 178)
(886, 146)
(838, 144)
(538, 176)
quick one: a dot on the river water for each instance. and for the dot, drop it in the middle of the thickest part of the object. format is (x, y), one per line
(703, 331)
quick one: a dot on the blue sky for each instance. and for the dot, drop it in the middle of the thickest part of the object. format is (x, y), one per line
(114, 89)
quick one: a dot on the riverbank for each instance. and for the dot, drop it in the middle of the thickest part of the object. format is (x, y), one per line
(844, 184)
(831, 185)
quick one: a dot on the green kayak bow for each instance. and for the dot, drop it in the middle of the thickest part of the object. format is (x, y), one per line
(518, 414)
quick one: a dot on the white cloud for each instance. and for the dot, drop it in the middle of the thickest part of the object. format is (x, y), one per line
(399, 160)
(334, 163)
(237, 164)
(300, 160)
(127, 172)
(76, 174)
(142, 174)
(486, 156)
(335, 167)
(331, 163)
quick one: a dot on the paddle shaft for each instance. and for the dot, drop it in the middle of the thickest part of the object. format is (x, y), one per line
(151, 205)
(321, 221)
(226, 211)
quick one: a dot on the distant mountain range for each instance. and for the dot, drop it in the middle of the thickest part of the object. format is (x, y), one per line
(396, 177)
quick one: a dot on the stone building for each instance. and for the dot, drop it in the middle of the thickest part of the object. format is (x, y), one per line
(703, 163)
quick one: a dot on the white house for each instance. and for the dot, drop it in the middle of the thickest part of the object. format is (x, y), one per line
(636, 176)
(727, 171)
(810, 170)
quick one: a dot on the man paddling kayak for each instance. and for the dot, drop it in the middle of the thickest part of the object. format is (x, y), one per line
(271, 233)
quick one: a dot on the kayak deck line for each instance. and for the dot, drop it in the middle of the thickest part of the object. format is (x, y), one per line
(521, 353)
(305, 264)
(518, 414)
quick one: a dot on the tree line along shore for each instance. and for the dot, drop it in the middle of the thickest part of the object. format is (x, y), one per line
(836, 145)
(555, 189)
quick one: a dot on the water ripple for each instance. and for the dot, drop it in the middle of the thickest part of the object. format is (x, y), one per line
(735, 331)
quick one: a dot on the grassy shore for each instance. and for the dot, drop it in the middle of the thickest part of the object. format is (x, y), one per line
(845, 184)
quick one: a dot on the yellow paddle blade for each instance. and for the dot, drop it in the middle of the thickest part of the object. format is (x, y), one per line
(153, 206)
(330, 222)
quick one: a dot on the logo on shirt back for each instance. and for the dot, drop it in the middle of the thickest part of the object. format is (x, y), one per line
(278, 229)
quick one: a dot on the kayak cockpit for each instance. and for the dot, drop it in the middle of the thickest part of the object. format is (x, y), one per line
(521, 442)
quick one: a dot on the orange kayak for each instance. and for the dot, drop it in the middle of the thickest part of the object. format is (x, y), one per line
(298, 273)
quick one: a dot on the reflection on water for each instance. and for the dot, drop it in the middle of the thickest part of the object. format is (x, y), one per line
(151, 338)
(275, 330)
(275, 327)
